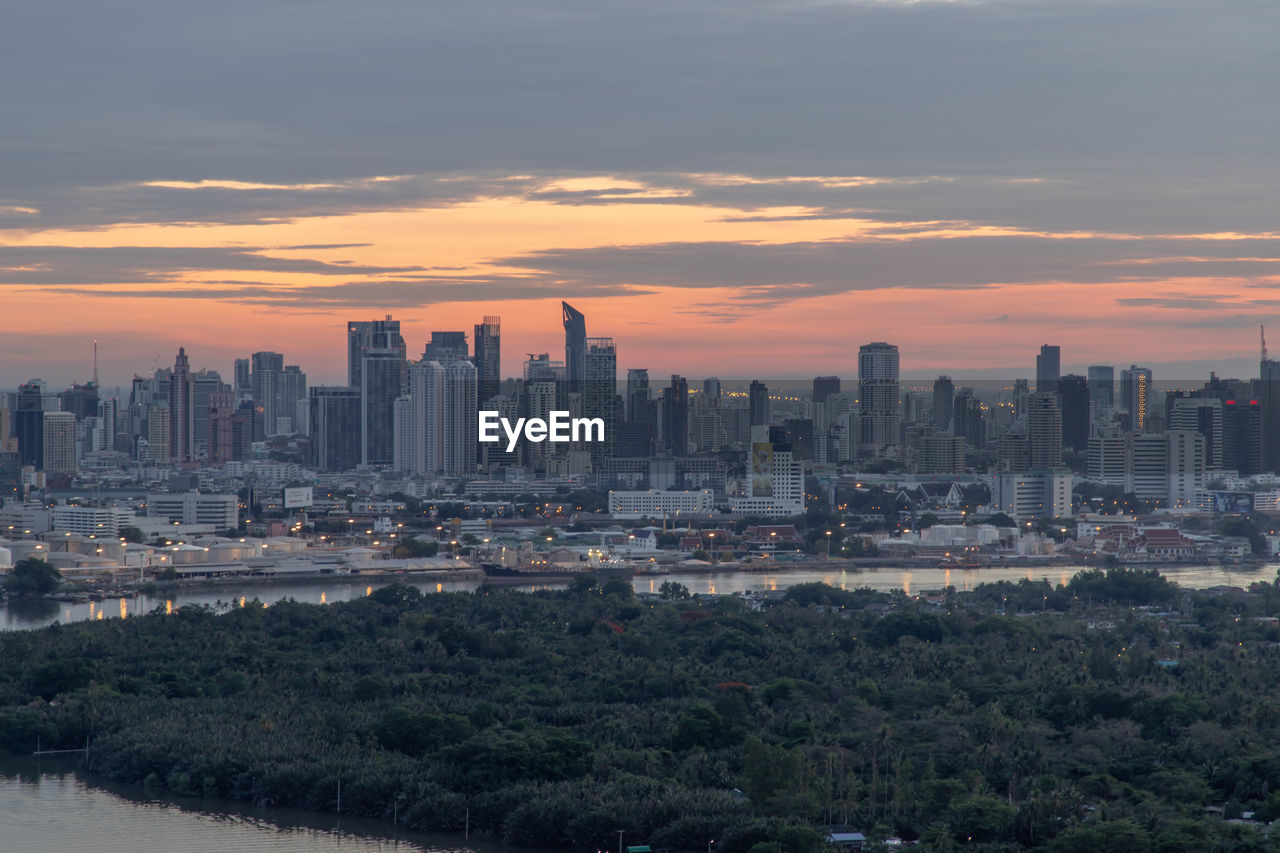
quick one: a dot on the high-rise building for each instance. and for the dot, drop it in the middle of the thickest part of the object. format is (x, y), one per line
(1242, 436)
(368, 335)
(968, 421)
(758, 404)
(59, 443)
(436, 425)
(1137, 396)
(711, 390)
(637, 394)
(1048, 368)
(1268, 396)
(575, 345)
(222, 411)
(675, 416)
(382, 379)
(1044, 429)
(944, 394)
(1205, 416)
(203, 383)
(335, 428)
(28, 424)
(1108, 456)
(445, 347)
(878, 395)
(488, 358)
(1073, 390)
(243, 385)
(291, 390)
(824, 387)
(1102, 390)
(600, 393)
(265, 378)
(461, 430)
(182, 415)
(1185, 476)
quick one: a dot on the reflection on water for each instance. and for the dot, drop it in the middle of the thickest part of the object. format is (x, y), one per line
(913, 581)
(47, 805)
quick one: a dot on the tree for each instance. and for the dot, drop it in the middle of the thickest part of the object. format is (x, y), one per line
(32, 576)
(131, 534)
(672, 591)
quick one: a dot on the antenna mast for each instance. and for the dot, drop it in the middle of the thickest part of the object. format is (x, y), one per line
(95, 362)
(1262, 333)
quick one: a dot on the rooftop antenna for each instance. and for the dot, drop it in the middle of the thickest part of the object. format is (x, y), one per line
(95, 362)
(1262, 332)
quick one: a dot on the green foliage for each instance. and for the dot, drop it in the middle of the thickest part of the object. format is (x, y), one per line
(32, 576)
(672, 591)
(558, 718)
(413, 549)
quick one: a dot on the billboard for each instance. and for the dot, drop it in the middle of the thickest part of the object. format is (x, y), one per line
(1233, 502)
(296, 497)
(761, 470)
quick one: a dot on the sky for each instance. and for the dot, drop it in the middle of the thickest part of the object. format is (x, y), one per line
(726, 188)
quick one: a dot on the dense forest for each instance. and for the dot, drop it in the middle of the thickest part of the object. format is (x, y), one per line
(1117, 713)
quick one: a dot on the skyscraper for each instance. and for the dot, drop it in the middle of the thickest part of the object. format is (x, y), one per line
(488, 358)
(1044, 429)
(243, 384)
(382, 378)
(878, 395)
(266, 369)
(943, 402)
(335, 428)
(1074, 393)
(600, 392)
(1137, 396)
(1048, 368)
(824, 387)
(1102, 393)
(1269, 399)
(28, 424)
(365, 335)
(182, 421)
(637, 394)
(59, 443)
(758, 404)
(575, 345)
(675, 416)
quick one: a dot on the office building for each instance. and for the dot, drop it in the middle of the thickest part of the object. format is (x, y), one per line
(1205, 416)
(675, 417)
(488, 358)
(220, 511)
(1048, 368)
(1137, 397)
(1242, 436)
(944, 394)
(575, 345)
(600, 393)
(1186, 464)
(1044, 429)
(824, 387)
(878, 396)
(774, 485)
(28, 424)
(335, 428)
(445, 347)
(382, 379)
(758, 404)
(1102, 390)
(1073, 394)
(182, 415)
(370, 335)
(1033, 494)
(660, 503)
(59, 443)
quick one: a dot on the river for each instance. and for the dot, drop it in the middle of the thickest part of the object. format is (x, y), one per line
(19, 615)
(47, 805)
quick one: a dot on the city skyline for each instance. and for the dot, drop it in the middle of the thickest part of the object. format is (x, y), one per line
(658, 167)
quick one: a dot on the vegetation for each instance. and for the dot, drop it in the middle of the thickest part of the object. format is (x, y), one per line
(557, 718)
(32, 576)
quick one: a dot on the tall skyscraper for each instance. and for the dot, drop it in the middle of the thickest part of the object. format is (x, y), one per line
(1242, 436)
(265, 379)
(1048, 368)
(28, 423)
(1044, 429)
(1102, 393)
(968, 421)
(488, 358)
(59, 443)
(711, 390)
(1205, 416)
(878, 395)
(366, 335)
(600, 392)
(182, 420)
(1074, 393)
(335, 428)
(382, 379)
(575, 345)
(1137, 396)
(1268, 396)
(243, 385)
(222, 410)
(758, 404)
(944, 397)
(675, 416)
(435, 426)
